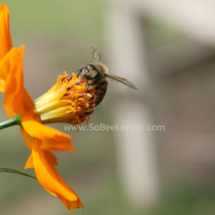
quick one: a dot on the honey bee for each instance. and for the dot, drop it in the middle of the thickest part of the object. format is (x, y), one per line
(96, 75)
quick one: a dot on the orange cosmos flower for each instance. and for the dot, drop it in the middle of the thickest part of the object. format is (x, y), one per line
(5, 41)
(67, 101)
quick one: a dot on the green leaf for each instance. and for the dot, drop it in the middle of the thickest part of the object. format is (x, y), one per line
(16, 172)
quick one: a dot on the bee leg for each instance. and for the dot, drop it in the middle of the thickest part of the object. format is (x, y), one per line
(79, 71)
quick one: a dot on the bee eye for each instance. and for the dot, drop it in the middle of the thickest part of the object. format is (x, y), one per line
(89, 67)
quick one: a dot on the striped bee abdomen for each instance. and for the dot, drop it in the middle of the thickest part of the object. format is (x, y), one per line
(96, 81)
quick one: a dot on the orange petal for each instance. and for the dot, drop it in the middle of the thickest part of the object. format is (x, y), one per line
(29, 163)
(4, 69)
(71, 204)
(51, 157)
(53, 140)
(27, 138)
(17, 100)
(1, 86)
(5, 37)
(50, 179)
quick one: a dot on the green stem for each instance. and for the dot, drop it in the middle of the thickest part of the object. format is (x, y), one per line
(14, 121)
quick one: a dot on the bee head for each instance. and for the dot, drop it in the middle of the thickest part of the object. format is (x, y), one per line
(94, 70)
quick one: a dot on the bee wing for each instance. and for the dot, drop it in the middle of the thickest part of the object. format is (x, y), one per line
(122, 80)
(96, 55)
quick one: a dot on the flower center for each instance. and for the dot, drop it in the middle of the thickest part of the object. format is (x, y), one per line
(68, 101)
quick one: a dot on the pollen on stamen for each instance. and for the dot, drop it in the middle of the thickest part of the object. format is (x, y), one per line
(71, 86)
(78, 110)
(64, 77)
(68, 93)
(92, 101)
(91, 91)
(69, 77)
(83, 80)
(82, 94)
(92, 106)
(78, 103)
(78, 82)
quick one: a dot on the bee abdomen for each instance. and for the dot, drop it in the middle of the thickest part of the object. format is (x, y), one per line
(99, 91)
(94, 74)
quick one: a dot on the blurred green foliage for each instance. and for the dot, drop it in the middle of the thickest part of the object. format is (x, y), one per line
(77, 19)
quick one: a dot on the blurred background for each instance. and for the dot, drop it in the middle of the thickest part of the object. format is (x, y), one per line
(167, 49)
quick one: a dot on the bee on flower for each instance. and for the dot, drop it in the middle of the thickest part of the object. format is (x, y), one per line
(70, 100)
